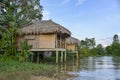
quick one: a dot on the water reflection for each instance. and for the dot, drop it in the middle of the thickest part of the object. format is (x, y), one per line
(92, 68)
(65, 69)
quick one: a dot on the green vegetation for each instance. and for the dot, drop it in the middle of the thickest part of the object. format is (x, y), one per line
(18, 13)
(21, 70)
(12, 63)
(25, 52)
(114, 48)
(88, 48)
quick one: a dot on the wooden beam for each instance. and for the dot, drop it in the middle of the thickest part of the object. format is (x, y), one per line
(56, 56)
(49, 49)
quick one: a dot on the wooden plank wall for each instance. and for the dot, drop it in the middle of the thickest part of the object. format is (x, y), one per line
(71, 47)
(47, 41)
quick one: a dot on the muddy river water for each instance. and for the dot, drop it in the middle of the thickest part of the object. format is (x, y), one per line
(91, 68)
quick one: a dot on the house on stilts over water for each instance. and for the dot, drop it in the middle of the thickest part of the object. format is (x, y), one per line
(46, 37)
(72, 45)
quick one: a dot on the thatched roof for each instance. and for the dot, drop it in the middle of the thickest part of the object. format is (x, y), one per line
(45, 26)
(72, 40)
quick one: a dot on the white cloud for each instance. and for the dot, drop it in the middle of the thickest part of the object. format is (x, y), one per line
(104, 42)
(80, 2)
(46, 15)
(65, 1)
(118, 34)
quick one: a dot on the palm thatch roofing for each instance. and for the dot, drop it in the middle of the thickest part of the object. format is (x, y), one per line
(72, 40)
(44, 27)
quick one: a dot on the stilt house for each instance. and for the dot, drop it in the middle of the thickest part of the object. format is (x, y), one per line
(46, 36)
(72, 45)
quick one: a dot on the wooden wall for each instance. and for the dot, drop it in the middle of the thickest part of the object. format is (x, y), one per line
(71, 47)
(44, 41)
(47, 41)
(32, 40)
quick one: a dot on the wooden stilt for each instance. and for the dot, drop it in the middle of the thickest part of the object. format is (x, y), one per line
(65, 67)
(38, 57)
(56, 56)
(61, 56)
(77, 55)
(77, 64)
(65, 56)
(32, 57)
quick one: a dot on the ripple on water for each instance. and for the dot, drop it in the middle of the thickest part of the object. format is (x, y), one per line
(99, 68)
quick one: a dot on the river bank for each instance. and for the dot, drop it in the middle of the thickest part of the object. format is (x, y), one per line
(88, 68)
(14, 70)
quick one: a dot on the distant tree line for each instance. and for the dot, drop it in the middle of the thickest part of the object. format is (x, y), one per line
(88, 47)
(114, 48)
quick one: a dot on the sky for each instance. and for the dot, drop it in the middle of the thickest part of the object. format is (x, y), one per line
(99, 19)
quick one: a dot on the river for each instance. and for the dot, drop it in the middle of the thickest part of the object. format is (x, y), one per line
(92, 68)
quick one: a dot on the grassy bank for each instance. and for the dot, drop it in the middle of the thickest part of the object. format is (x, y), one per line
(14, 70)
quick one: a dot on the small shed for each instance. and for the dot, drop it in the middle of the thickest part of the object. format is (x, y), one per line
(46, 36)
(72, 45)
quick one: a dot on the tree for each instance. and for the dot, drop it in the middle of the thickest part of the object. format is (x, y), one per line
(88, 43)
(115, 39)
(100, 49)
(114, 48)
(26, 11)
(108, 50)
(0, 34)
(32, 9)
(92, 41)
(87, 47)
(16, 16)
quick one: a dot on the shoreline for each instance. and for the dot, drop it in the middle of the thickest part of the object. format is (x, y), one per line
(15, 70)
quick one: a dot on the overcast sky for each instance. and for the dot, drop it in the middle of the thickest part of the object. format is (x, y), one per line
(85, 18)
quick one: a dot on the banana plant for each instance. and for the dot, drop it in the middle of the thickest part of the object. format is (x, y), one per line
(24, 51)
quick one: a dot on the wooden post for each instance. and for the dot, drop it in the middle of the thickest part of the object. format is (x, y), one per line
(56, 56)
(56, 42)
(60, 41)
(77, 55)
(77, 64)
(65, 67)
(65, 56)
(32, 57)
(38, 57)
(61, 56)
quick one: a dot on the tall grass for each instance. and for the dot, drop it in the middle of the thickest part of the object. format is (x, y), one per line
(14, 70)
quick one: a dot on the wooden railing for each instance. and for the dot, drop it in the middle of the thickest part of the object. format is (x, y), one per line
(60, 44)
